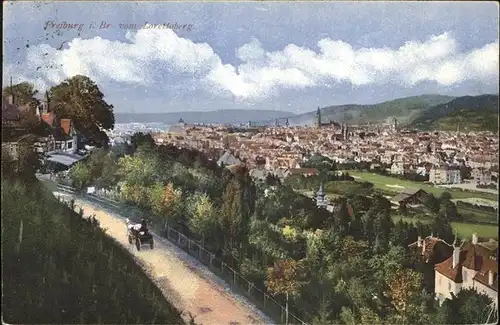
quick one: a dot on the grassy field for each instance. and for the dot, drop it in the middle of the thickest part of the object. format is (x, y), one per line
(478, 215)
(464, 230)
(391, 184)
(308, 193)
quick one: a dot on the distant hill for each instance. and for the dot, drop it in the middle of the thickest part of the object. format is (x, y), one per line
(474, 113)
(220, 116)
(403, 109)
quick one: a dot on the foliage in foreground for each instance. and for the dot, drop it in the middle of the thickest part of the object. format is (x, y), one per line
(61, 268)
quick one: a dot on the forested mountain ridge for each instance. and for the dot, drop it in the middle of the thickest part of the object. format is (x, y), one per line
(469, 113)
(404, 109)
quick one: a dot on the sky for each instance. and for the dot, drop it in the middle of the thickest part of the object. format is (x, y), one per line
(205, 56)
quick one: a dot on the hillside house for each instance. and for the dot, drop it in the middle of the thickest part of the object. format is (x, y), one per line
(432, 249)
(409, 197)
(472, 265)
(12, 115)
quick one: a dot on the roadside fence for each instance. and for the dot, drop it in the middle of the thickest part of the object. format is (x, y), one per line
(263, 301)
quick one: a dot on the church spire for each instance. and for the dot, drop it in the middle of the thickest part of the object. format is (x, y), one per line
(46, 102)
(318, 116)
(320, 195)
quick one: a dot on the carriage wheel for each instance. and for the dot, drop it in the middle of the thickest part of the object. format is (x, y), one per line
(138, 244)
(130, 239)
(151, 244)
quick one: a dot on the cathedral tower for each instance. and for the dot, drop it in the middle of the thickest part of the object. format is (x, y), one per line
(318, 117)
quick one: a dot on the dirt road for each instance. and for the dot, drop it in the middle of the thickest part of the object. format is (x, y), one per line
(179, 278)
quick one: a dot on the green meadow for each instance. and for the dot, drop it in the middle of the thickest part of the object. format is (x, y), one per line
(395, 185)
(464, 230)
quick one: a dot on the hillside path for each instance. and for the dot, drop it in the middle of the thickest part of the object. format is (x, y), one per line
(185, 282)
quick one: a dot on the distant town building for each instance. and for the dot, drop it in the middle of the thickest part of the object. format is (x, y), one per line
(319, 120)
(397, 168)
(445, 174)
(481, 176)
(228, 159)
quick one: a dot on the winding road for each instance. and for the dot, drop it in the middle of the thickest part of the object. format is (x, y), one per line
(185, 282)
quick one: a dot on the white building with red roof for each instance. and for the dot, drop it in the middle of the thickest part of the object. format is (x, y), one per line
(473, 265)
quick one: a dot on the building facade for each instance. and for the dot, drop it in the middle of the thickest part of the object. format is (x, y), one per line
(445, 175)
(472, 266)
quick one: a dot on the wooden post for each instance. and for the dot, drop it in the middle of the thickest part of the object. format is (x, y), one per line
(222, 267)
(179, 238)
(286, 308)
(250, 284)
(211, 259)
(234, 276)
(199, 253)
(165, 225)
(189, 245)
(265, 300)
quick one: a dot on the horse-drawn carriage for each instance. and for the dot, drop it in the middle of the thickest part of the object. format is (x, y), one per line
(139, 234)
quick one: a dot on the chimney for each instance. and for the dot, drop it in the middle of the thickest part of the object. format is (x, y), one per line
(474, 239)
(490, 277)
(456, 256)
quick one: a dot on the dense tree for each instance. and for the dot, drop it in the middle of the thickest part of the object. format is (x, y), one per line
(202, 216)
(448, 210)
(27, 161)
(80, 175)
(468, 307)
(80, 99)
(403, 285)
(137, 169)
(380, 204)
(24, 94)
(172, 203)
(360, 203)
(143, 139)
(286, 277)
(431, 203)
(231, 216)
(341, 216)
(445, 196)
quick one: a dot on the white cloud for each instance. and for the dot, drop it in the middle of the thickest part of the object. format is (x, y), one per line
(149, 53)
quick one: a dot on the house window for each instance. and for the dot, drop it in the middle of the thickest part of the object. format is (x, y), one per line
(70, 144)
(58, 145)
